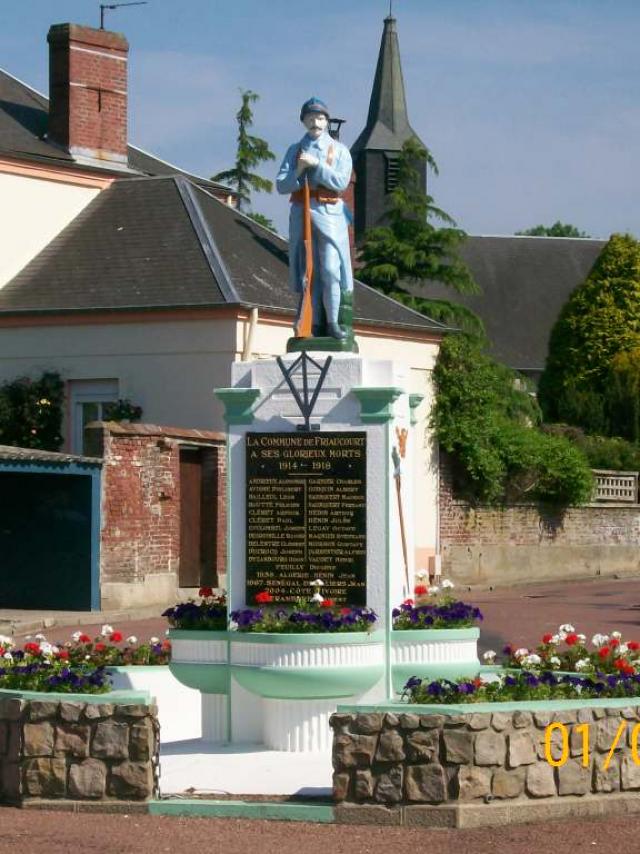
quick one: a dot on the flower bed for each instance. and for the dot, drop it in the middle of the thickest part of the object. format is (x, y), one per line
(44, 667)
(434, 608)
(209, 614)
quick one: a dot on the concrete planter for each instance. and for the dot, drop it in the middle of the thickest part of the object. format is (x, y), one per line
(179, 706)
(433, 654)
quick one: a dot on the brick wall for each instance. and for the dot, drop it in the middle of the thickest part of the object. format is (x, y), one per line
(523, 543)
(141, 505)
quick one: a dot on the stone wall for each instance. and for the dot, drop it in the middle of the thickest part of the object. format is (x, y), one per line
(523, 543)
(77, 751)
(141, 506)
(406, 759)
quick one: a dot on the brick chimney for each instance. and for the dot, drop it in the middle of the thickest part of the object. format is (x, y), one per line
(88, 93)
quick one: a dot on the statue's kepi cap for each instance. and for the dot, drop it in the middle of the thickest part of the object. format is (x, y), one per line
(314, 105)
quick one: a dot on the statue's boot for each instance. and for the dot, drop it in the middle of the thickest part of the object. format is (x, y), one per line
(335, 331)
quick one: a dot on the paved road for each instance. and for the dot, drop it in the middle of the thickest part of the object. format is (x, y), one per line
(60, 833)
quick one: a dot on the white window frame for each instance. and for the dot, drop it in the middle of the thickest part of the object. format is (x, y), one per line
(81, 392)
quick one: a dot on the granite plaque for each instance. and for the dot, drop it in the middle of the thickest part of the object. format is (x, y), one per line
(306, 515)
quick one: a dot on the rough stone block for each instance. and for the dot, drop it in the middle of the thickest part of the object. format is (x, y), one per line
(40, 710)
(353, 751)
(598, 713)
(479, 721)
(630, 713)
(573, 778)
(341, 781)
(473, 783)
(609, 780)
(10, 781)
(458, 746)
(132, 710)
(606, 731)
(500, 720)
(14, 709)
(111, 740)
(363, 785)
(629, 773)
(542, 719)
(390, 747)
(71, 712)
(98, 711)
(431, 721)
(508, 784)
(340, 722)
(490, 748)
(423, 745)
(38, 739)
(409, 721)
(430, 816)
(388, 786)
(567, 716)
(369, 814)
(14, 741)
(367, 724)
(521, 719)
(585, 716)
(142, 741)
(4, 737)
(540, 780)
(521, 749)
(88, 779)
(391, 720)
(45, 778)
(425, 783)
(72, 740)
(131, 780)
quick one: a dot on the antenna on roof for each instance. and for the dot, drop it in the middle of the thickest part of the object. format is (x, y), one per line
(104, 6)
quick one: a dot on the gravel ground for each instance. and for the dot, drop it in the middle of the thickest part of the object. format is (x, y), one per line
(32, 832)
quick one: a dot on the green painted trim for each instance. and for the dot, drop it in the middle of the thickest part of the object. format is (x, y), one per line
(121, 698)
(388, 618)
(375, 402)
(324, 344)
(238, 403)
(414, 402)
(229, 580)
(197, 634)
(513, 706)
(138, 668)
(408, 635)
(307, 639)
(304, 683)
(319, 813)
(208, 677)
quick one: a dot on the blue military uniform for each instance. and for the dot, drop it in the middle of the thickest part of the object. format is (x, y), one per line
(330, 218)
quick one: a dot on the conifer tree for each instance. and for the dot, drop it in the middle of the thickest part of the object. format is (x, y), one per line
(250, 152)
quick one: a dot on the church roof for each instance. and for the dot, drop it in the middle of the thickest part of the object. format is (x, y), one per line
(387, 127)
(165, 242)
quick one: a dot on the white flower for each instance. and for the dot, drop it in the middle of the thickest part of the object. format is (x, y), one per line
(48, 648)
(623, 648)
(76, 636)
(531, 660)
(8, 656)
(5, 640)
(566, 628)
(583, 664)
(520, 653)
(489, 656)
(447, 584)
(616, 635)
(582, 639)
(554, 661)
(317, 597)
(107, 630)
(421, 574)
(87, 658)
(132, 639)
(233, 625)
(599, 640)
(434, 590)
(317, 583)
(40, 637)
(154, 640)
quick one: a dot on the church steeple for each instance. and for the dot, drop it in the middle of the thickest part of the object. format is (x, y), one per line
(376, 150)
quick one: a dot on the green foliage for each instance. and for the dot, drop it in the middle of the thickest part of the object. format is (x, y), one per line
(600, 320)
(602, 452)
(31, 412)
(122, 410)
(558, 229)
(263, 220)
(622, 395)
(487, 420)
(250, 152)
(412, 249)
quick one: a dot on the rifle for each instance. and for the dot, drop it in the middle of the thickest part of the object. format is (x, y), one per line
(302, 326)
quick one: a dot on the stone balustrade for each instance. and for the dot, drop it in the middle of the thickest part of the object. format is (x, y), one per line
(77, 751)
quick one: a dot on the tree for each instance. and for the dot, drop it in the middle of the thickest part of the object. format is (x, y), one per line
(251, 151)
(412, 249)
(558, 229)
(600, 321)
(263, 220)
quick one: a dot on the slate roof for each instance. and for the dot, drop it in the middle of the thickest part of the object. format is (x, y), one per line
(10, 454)
(152, 243)
(525, 281)
(24, 116)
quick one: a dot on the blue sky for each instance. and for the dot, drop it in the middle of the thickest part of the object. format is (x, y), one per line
(531, 107)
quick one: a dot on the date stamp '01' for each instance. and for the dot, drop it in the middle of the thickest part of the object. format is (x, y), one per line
(584, 731)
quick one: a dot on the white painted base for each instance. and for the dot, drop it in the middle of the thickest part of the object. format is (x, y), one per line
(214, 718)
(179, 707)
(405, 650)
(241, 769)
(298, 726)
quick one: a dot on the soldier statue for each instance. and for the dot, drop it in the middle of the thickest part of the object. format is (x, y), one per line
(316, 171)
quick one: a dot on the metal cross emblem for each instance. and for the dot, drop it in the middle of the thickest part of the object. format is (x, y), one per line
(306, 397)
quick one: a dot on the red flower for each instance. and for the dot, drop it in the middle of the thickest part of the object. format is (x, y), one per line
(547, 638)
(32, 648)
(264, 597)
(628, 670)
(477, 682)
(572, 639)
(408, 602)
(166, 644)
(205, 591)
(116, 637)
(62, 653)
(345, 611)
(603, 652)
(100, 647)
(614, 642)
(327, 603)
(421, 590)
(633, 645)
(84, 639)
(619, 664)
